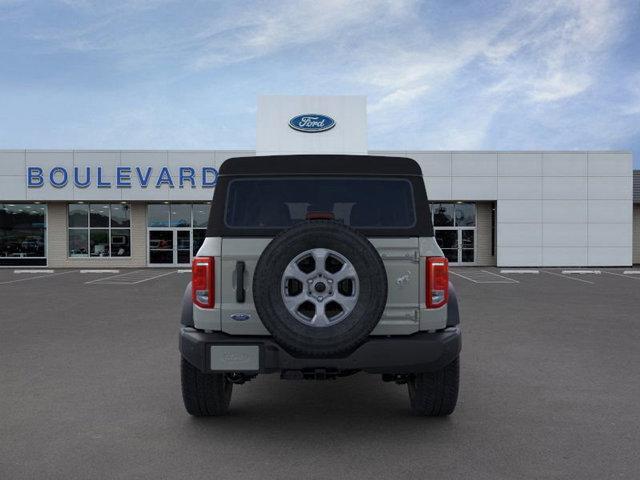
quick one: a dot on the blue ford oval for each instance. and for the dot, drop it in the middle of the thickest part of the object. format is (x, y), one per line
(240, 317)
(312, 123)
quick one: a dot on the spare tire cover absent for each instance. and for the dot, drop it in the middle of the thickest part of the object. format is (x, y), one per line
(320, 288)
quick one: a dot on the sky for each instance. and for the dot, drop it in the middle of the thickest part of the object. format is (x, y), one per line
(156, 74)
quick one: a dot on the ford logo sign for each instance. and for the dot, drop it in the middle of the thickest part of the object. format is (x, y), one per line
(312, 123)
(240, 317)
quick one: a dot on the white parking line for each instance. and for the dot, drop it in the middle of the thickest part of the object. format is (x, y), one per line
(129, 278)
(631, 272)
(511, 280)
(466, 278)
(623, 276)
(105, 278)
(567, 277)
(99, 271)
(184, 270)
(33, 271)
(519, 271)
(39, 276)
(153, 278)
(581, 272)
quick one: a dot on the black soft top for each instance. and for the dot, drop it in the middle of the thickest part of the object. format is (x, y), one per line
(320, 164)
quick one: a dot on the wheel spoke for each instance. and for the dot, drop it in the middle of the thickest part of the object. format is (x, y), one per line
(320, 319)
(346, 302)
(320, 258)
(347, 271)
(293, 271)
(293, 303)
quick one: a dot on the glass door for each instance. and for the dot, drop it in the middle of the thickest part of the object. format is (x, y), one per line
(183, 247)
(169, 247)
(455, 230)
(457, 244)
(448, 241)
(467, 245)
(161, 247)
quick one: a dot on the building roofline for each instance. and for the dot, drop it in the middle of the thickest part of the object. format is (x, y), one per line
(249, 150)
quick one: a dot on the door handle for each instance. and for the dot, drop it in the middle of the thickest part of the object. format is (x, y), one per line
(240, 282)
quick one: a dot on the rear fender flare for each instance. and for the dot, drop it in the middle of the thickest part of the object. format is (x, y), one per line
(186, 318)
(453, 311)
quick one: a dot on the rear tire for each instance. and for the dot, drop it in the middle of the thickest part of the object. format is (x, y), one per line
(204, 394)
(435, 394)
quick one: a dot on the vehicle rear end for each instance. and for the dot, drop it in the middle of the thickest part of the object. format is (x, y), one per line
(319, 267)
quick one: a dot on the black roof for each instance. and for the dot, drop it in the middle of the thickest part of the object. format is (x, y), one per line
(320, 164)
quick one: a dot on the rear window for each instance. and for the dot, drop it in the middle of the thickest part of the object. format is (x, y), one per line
(365, 203)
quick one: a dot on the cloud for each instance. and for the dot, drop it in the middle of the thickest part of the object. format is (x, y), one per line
(502, 74)
(286, 25)
(530, 55)
(544, 49)
(216, 34)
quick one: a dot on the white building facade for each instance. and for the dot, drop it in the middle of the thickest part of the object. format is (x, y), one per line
(124, 208)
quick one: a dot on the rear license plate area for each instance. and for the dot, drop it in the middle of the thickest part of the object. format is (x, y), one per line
(235, 358)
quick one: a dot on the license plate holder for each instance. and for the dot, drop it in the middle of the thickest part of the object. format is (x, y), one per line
(234, 358)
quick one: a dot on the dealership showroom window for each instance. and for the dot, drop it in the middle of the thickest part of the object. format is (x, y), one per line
(99, 230)
(23, 231)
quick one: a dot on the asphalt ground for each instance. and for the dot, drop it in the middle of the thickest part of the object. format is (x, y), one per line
(90, 389)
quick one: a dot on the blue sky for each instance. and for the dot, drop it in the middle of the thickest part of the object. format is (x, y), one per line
(438, 75)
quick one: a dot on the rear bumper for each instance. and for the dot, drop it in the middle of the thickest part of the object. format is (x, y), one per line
(420, 352)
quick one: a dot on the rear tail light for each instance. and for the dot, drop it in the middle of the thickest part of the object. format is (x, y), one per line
(202, 282)
(437, 282)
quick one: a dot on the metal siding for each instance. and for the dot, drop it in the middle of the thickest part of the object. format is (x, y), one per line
(557, 191)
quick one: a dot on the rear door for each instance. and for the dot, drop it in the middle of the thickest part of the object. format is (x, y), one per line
(238, 262)
(402, 261)
(266, 205)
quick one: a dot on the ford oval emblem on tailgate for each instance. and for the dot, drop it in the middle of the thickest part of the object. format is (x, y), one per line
(240, 317)
(312, 123)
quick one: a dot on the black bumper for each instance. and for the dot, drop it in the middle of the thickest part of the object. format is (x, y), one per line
(420, 352)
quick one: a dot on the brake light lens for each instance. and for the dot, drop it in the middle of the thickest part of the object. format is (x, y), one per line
(437, 293)
(202, 282)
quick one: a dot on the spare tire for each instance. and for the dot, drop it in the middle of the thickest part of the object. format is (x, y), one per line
(320, 288)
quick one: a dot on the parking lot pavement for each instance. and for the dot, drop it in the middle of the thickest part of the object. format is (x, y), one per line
(90, 389)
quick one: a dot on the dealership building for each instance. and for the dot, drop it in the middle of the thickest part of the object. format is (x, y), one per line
(139, 208)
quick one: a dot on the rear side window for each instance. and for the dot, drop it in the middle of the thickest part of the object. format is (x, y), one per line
(365, 203)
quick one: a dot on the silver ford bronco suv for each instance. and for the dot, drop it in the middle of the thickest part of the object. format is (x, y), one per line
(317, 267)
